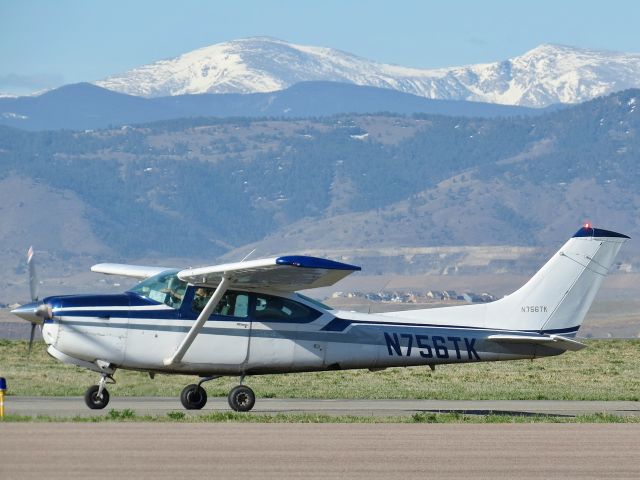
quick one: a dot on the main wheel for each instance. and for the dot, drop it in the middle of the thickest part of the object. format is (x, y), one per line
(93, 401)
(193, 397)
(242, 398)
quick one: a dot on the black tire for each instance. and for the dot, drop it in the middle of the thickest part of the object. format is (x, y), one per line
(93, 401)
(242, 398)
(193, 397)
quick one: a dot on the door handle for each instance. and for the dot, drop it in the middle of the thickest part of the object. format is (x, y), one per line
(240, 324)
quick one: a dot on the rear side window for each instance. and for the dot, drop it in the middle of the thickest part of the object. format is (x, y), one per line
(278, 309)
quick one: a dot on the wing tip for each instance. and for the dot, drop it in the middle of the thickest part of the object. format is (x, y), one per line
(304, 261)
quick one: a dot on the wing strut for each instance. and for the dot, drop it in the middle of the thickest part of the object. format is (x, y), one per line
(197, 326)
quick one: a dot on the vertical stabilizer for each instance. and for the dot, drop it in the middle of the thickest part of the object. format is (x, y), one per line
(558, 296)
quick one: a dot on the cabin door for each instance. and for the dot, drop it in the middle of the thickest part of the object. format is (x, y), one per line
(224, 339)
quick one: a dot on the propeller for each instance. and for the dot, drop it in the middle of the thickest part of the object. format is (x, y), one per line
(31, 335)
(33, 278)
(33, 290)
(35, 312)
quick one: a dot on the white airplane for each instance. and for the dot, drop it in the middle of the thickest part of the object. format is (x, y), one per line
(246, 318)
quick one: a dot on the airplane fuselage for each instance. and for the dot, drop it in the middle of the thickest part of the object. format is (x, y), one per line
(131, 331)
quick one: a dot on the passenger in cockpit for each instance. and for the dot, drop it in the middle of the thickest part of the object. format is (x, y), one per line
(200, 298)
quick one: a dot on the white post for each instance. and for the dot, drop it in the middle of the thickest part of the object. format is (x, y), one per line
(202, 318)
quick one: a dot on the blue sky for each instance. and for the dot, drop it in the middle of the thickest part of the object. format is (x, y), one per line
(48, 43)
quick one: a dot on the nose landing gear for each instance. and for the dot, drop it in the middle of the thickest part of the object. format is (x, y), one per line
(97, 396)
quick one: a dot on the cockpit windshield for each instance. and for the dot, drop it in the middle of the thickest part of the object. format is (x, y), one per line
(165, 288)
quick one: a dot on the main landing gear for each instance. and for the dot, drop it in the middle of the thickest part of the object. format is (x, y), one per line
(194, 397)
(241, 398)
(97, 396)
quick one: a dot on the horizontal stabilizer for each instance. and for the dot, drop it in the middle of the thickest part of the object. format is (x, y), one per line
(554, 341)
(135, 271)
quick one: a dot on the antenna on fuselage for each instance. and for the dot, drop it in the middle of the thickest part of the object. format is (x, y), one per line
(248, 254)
(384, 287)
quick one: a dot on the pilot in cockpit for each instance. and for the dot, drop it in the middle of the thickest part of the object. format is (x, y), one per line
(175, 292)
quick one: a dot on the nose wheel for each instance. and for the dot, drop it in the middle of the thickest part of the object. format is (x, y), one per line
(97, 396)
(94, 400)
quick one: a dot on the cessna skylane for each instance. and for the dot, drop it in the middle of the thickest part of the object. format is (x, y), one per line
(245, 318)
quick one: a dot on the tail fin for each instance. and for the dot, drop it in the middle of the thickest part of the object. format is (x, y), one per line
(557, 298)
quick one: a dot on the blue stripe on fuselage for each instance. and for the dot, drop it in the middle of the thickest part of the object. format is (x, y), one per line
(151, 314)
(341, 324)
(336, 325)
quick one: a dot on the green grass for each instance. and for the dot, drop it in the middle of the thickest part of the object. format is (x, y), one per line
(127, 415)
(607, 370)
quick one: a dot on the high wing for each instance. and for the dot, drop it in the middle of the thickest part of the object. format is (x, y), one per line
(279, 273)
(135, 271)
(288, 273)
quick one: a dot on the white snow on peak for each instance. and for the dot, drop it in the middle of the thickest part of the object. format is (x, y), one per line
(542, 76)
(14, 116)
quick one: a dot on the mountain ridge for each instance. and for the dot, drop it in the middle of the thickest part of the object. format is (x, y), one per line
(86, 106)
(412, 178)
(545, 75)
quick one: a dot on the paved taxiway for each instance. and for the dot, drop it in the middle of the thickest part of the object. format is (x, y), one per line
(310, 451)
(74, 406)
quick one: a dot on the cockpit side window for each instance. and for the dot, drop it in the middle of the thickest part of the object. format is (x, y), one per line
(279, 309)
(165, 288)
(232, 304)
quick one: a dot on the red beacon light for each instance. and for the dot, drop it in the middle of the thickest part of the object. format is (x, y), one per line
(587, 225)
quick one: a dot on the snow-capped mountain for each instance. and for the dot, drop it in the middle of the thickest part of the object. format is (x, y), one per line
(545, 75)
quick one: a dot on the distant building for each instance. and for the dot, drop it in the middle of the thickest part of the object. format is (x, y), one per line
(487, 297)
(415, 297)
(385, 296)
(409, 297)
(449, 295)
(470, 297)
(435, 294)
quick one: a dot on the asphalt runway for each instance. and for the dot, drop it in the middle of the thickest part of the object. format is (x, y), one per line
(318, 451)
(74, 406)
